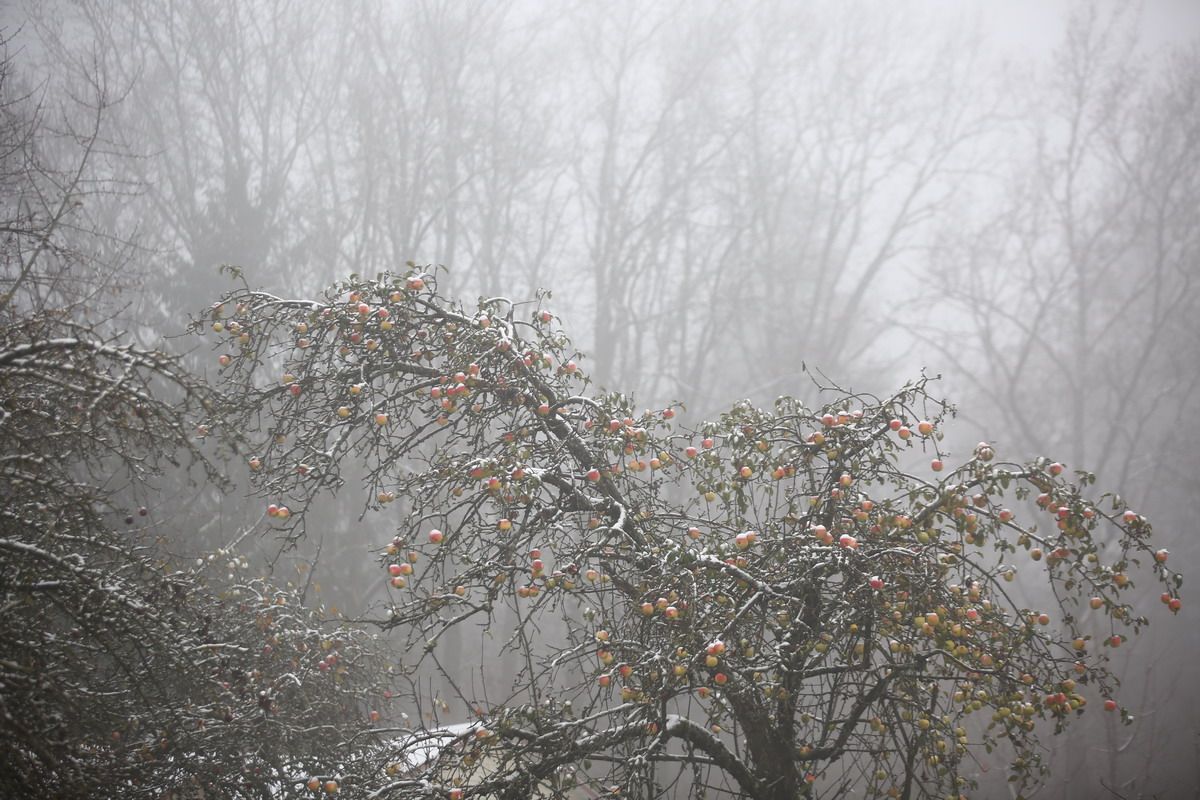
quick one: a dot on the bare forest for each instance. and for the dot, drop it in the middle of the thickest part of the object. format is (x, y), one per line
(502, 398)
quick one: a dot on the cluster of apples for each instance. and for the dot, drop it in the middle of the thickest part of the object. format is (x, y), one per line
(357, 313)
(968, 630)
(316, 785)
(1074, 518)
(904, 433)
(400, 572)
(628, 439)
(237, 329)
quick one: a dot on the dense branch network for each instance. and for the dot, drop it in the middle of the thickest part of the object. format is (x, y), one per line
(127, 670)
(123, 670)
(796, 598)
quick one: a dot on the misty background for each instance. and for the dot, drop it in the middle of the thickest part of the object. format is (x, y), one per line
(722, 198)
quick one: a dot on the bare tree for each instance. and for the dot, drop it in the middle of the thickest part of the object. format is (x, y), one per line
(219, 103)
(442, 148)
(751, 182)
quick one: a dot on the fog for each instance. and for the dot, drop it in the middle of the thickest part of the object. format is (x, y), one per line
(725, 201)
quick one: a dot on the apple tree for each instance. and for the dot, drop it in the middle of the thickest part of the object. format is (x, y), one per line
(777, 603)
